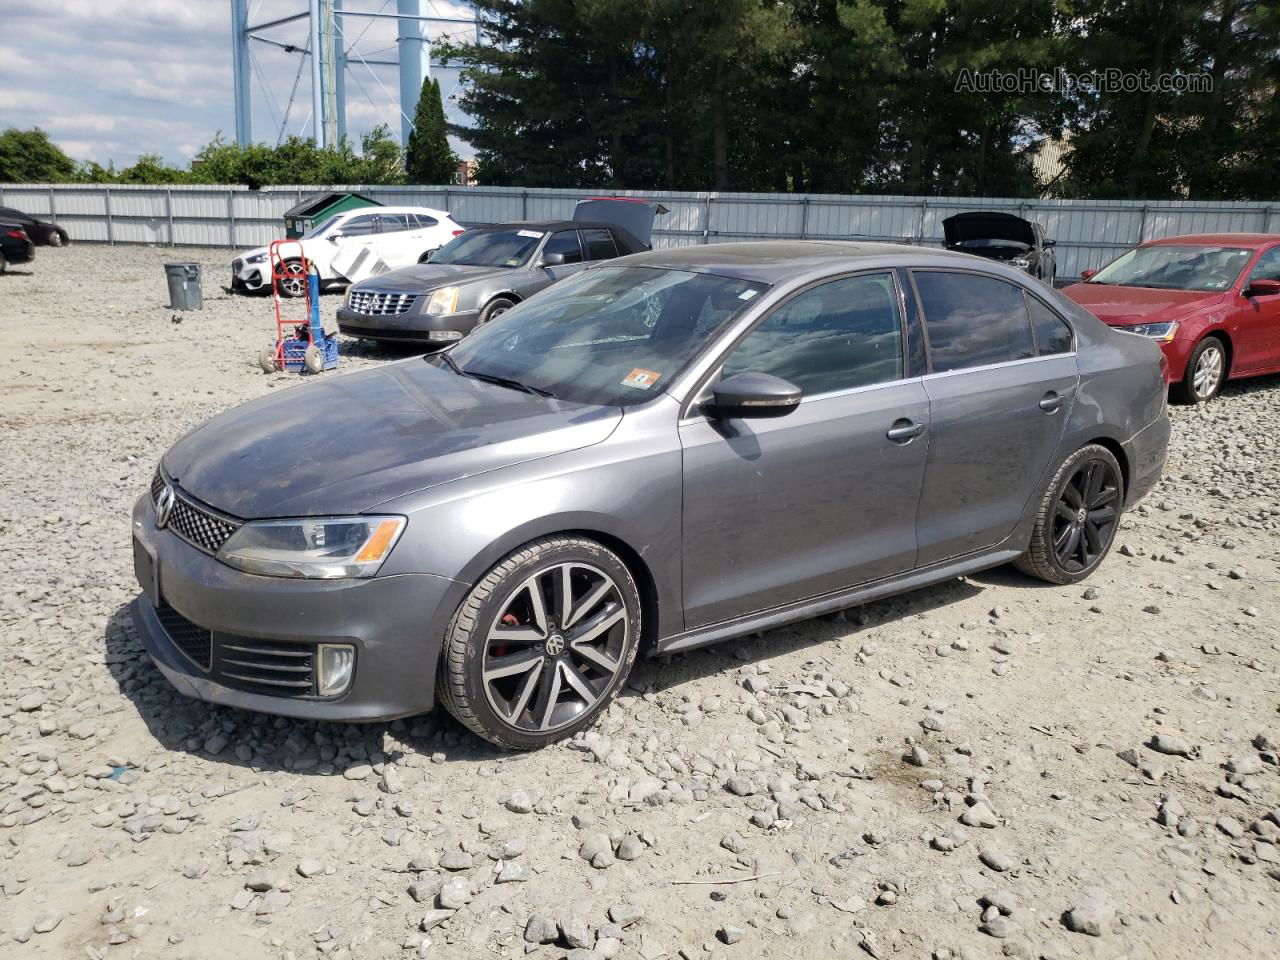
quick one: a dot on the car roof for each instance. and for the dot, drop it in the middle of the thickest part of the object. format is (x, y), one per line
(769, 261)
(366, 210)
(548, 225)
(1223, 239)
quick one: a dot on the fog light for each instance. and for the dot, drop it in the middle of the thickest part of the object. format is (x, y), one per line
(337, 665)
(444, 335)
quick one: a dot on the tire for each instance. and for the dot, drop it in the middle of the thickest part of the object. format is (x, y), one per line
(295, 283)
(495, 308)
(4, 263)
(267, 360)
(1067, 512)
(313, 359)
(542, 696)
(56, 239)
(428, 255)
(1201, 383)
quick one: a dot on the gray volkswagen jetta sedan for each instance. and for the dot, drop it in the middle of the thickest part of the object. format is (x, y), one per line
(661, 452)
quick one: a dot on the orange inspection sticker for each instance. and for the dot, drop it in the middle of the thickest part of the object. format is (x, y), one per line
(641, 379)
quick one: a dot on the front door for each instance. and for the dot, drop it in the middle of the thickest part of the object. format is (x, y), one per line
(779, 510)
(1000, 389)
(567, 244)
(1257, 326)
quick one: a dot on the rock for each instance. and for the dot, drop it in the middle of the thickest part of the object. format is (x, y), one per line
(433, 918)
(46, 921)
(541, 929)
(391, 779)
(576, 933)
(457, 860)
(597, 850)
(521, 802)
(626, 914)
(918, 756)
(513, 872)
(358, 771)
(1091, 913)
(980, 815)
(630, 847)
(729, 935)
(309, 868)
(1247, 765)
(1173, 746)
(455, 894)
(995, 859)
(28, 704)
(739, 786)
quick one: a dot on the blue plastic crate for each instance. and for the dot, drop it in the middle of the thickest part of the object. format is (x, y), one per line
(295, 349)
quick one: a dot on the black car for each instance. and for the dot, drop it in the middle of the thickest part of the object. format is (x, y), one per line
(42, 232)
(15, 245)
(1002, 236)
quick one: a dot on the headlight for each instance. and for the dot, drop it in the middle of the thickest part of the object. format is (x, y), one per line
(1156, 331)
(443, 301)
(1020, 262)
(256, 258)
(314, 547)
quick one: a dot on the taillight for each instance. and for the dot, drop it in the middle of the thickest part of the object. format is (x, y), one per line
(16, 234)
(458, 233)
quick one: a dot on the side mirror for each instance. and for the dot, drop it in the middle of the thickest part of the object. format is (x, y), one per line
(335, 237)
(752, 395)
(1087, 274)
(1263, 288)
(1049, 243)
(552, 259)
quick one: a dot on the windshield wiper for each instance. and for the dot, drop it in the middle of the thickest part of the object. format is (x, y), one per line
(495, 379)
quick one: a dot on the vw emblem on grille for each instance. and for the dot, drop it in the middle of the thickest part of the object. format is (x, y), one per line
(164, 505)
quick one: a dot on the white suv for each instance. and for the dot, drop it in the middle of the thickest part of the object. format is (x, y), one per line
(351, 246)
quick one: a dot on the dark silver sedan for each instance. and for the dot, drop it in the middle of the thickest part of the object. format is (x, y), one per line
(662, 452)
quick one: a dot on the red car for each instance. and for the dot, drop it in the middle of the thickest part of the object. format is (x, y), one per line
(1212, 301)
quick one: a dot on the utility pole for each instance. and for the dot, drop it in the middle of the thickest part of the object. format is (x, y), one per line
(240, 70)
(340, 69)
(324, 108)
(415, 60)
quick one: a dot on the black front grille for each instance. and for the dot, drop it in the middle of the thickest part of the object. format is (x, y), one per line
(378, 333)
(199, 527)
(193, 641)
(195, 524)
(266, 666)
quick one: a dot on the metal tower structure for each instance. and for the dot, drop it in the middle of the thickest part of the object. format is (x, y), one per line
(332, 56)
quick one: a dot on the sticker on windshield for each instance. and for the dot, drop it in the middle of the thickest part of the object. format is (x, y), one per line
(641, 379)
(747, 294)
(533, 234)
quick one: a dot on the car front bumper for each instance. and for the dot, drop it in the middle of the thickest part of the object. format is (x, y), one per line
(250, 277)
(407, 327)
(257, 625)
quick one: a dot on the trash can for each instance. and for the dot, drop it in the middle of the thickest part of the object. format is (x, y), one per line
(184, 286)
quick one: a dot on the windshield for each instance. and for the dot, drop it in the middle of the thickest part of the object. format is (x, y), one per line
(320, 229)
(992, 244)
(489, 248)
(1175, 267)
(611, 335)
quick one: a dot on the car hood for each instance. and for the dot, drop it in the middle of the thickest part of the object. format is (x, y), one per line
(1120, 306)
(353, 441)
(429, 276)
(987, 225)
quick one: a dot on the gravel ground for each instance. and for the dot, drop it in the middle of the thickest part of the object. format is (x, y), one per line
(989, 767)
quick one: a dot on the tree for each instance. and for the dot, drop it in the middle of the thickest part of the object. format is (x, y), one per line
(428, 157)
(29, 156)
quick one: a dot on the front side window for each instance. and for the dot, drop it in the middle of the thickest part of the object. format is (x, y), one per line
(972, 320)
(359, 226)
(1267, 267)
(610, 335)
(837, 336)
(565, 243)
(1175, 266)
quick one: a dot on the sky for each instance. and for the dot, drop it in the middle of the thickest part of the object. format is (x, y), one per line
(109, 80)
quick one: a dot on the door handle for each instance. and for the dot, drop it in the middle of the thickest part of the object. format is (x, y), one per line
(1052, 402)
(904, 430)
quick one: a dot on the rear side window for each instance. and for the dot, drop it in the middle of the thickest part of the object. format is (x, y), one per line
(973, 321)
(837, 336)
(565, 242)
(1053, 335)
(600, 244)
(424, 222)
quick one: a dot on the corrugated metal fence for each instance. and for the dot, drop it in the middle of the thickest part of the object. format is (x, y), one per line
(1089, 232)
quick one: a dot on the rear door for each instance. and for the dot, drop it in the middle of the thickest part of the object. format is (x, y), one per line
(779, 510)
(1000, 389)
(598, 244)
(397, 244)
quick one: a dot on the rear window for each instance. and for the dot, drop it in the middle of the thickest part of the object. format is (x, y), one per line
(600, 245)
(972, 320)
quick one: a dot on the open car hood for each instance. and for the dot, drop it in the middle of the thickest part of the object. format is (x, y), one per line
(630, 213)
(987, 225)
